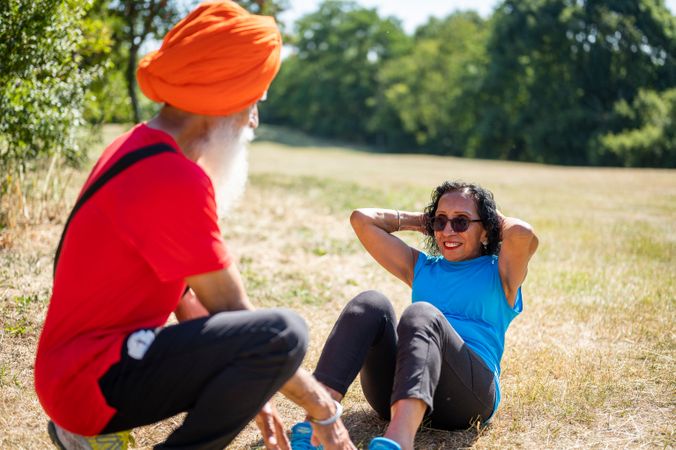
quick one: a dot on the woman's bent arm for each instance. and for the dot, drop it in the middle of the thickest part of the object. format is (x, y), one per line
(519, 243)
(374, 228)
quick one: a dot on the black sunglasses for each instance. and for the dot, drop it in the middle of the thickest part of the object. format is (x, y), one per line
(458, 223)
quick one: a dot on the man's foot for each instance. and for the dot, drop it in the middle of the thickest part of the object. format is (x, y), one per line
(65, 440)
(301, 435)
(383, 443)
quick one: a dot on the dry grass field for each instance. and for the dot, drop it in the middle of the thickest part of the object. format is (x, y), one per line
(589, 363)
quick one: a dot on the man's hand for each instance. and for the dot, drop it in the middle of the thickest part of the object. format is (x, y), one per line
(189, 307)
(309, 394)
(272, 428)
(334, 436)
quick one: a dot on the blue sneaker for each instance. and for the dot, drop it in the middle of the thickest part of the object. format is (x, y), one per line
(301, 435)
(382, 443)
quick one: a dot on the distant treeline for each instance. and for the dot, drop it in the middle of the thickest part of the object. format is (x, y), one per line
(555, 81)
(588, 82)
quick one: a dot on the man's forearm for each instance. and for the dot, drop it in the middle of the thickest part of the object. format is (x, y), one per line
(237, 304)
(190, 307)
(306, 392)
(221, 290)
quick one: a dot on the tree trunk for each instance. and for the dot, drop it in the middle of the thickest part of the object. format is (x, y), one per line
(131, 82)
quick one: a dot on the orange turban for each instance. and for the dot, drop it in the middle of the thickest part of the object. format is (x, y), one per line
(216, 61)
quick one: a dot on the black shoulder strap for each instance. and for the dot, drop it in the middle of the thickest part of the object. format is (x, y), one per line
(120, 165)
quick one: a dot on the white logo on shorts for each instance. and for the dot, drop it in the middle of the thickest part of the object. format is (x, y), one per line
(139, 342)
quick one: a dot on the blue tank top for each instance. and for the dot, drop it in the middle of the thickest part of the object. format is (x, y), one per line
(470, 296)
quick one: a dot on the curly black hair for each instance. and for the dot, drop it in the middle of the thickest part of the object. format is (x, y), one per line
(485, 205)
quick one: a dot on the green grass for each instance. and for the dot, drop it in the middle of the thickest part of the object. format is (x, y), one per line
(340, 196)
(594, 350)
(589, 363)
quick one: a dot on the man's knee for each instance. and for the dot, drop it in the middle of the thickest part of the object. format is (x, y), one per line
(292, 333)
(417, 317)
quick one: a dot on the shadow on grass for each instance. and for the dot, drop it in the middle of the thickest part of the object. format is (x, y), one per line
(364, 424)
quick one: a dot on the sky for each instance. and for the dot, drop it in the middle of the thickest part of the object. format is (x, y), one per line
(412, 12)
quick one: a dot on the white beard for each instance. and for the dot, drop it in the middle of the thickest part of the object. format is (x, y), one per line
(223, 156)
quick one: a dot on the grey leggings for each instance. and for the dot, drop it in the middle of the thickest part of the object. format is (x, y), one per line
(423, 357)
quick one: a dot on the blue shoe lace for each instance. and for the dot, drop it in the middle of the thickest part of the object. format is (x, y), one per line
(382, 443)
(301, 435)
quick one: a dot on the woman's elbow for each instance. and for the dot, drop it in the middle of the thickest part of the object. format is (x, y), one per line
(358, 218)
(526, 235)
(534, 243)
(522, 233)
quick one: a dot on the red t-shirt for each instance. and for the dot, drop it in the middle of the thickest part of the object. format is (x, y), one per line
(122, 267)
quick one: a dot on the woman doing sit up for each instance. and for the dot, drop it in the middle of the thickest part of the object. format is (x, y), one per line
(442, 359)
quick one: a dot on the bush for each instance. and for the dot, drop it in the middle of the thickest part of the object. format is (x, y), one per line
(42, 85)
(42, 82)
(649, 139)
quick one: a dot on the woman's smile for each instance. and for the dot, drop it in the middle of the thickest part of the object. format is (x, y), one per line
(451, 245)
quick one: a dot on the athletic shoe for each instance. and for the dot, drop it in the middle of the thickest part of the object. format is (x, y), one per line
(382, 443)
(301, 437)
(65, 440)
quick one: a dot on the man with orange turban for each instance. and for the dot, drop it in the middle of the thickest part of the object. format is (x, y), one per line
(143, 240)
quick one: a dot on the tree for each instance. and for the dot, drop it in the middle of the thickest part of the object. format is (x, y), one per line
(42, 83)
(433, 86)
(265, 7)
(329, 85)
(649, 134)
(133, 23)
(558, 67)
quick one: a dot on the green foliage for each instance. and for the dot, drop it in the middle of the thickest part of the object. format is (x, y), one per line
(541, 80)
(432, 87)
(554, 81)
(650, 138)
(107, 100)
(42, 83)
(265, 7)
(329, 85)
(128, 24)
(557, 68)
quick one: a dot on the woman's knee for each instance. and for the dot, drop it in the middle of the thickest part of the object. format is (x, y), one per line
(369, 303)
(418, 316)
